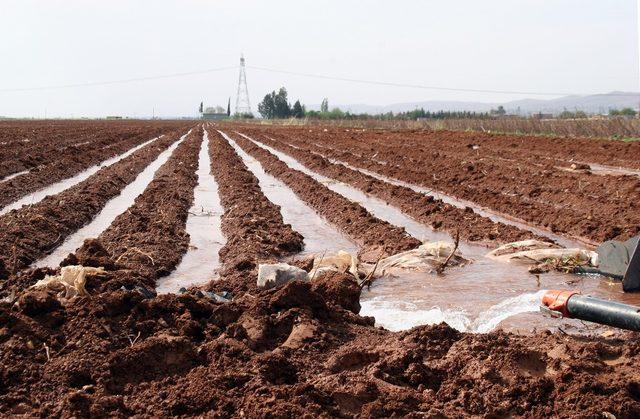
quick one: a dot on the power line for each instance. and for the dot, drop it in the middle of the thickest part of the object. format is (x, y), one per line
(105, 83)
(419, 86)
(310, 75)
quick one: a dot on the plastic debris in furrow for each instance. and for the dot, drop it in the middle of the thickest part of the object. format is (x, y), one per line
(114, 207)
(319, 236)
(148, 240)
(415, 298)
(376, 237)
(253, 225)
(60, 186)
(200, 264)
(32, 232)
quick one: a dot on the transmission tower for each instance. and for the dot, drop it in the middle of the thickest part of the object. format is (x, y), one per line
(242, 99)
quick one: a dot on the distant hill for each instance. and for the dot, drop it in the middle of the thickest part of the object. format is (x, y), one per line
(600, 103)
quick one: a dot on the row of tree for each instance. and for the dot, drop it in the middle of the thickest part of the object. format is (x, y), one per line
(275, 105)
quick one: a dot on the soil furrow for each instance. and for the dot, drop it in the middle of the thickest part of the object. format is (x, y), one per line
(422, 208)
(588, 217)
(252, 224)
(64, 165)
(27, 145)
(376, 237)
(149, 239)
(33, 231)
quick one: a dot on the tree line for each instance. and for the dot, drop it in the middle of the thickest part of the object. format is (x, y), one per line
(276, 105)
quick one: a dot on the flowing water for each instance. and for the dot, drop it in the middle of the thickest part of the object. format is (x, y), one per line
(14, 175)
(200, 263)
(601, 169)
(111, 210)
(460, 203)
(319, 235)
(58, 187)
(479, 297)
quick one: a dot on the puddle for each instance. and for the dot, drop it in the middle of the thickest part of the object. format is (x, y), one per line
(14, 175)
(319, 235)
(199, 264)
(600, 169)
(460, 203)
(111, 210)
(58, 187)
(478, 297)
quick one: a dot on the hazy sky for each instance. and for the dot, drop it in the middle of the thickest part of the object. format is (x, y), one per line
(572, 46)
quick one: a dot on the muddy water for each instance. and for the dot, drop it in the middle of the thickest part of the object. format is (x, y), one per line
(485, 212)
(375, 206)
(111, 210)
(58, 187)
(479, 297)
(200, 263)
(600, 169)
(319, 235)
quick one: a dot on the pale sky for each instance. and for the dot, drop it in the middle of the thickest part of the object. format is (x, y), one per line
(572, 46)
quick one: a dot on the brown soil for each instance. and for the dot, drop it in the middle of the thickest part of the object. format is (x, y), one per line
(49, 165)
(423, 208)
(300, 350)
(533, 189)
(292, 351)
(252, 224)
(376, 237)
(33, 231)
(148, 240)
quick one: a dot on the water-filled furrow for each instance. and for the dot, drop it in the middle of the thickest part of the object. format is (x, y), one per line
(375, 206)
(319, 235)
(14, 175)
(58, 187)
(460, 203)
(199, 265)
(111, 210)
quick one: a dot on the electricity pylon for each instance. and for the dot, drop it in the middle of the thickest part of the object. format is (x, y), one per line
(242, 99)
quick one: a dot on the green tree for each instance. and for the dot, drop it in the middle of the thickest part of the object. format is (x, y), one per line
(298, 110)
(324, 107)
(267, 107)
(275, 105)
(282, 107)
